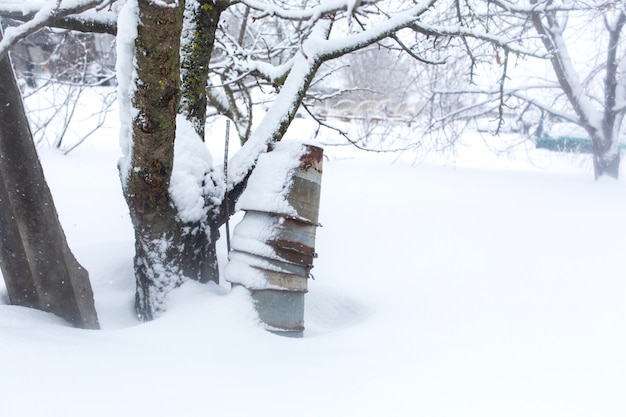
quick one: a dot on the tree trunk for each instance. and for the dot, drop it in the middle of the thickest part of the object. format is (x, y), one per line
(146, 188)
(38, 267)
(606, 158)
(197, 40)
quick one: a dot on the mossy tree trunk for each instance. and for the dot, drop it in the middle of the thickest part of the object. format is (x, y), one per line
(146, 189)
(197, 40)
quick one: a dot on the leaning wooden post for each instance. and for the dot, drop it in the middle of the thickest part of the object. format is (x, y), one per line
(274, 245)
(37, 265)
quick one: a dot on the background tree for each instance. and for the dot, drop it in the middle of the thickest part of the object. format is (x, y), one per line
(602, 121)
(569, 68)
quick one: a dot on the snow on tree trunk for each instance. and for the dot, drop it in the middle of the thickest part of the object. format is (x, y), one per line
(150, 154)
(197, 193)
(201, 18)
(38, 267)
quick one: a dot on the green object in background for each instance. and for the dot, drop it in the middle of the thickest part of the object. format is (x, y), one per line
(564, 144)
(568, 144)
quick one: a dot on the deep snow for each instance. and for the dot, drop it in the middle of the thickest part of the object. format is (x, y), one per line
(493, 286)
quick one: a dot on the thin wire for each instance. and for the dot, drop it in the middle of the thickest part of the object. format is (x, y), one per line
(226, 207)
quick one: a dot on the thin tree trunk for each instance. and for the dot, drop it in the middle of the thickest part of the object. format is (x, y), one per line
(606, 158)
(38, 267)
(198, 38)
(199, 259)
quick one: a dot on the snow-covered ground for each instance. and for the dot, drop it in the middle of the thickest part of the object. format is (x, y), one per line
(493, 286)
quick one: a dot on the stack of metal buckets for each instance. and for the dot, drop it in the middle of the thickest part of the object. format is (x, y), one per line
(273, 247)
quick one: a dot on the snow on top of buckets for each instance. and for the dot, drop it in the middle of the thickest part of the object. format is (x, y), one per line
(253, 231)
(240, 272)
(259, 273)
(270, 182)
(267, 192)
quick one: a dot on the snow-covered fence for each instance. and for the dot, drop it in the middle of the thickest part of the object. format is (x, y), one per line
(273, 247)
(368, 110)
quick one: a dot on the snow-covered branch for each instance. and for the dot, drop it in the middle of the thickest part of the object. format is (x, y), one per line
(280, 115)
(512, 44)
(317, 49)
(551, 6)
(558, 114)
(377, 32)
(307, 14)
(44, 15)
(566, 73)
